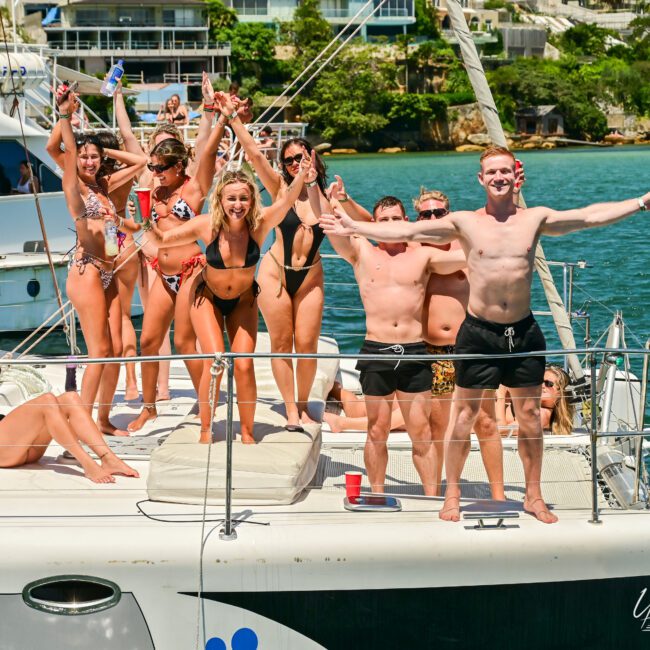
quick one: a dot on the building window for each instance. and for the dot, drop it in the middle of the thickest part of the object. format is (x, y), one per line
(335, 8)
(91, 17)
(395, 9)
(251, 7)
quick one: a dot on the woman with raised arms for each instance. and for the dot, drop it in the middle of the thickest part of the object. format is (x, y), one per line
(291, 273)
(177, 199)
(90, 285)
(234, 231)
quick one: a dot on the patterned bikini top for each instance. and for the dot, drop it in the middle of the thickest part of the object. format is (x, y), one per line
(94, 207)
(181, 209)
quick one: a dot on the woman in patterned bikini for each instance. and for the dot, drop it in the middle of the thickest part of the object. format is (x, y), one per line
(225, 294)
(291, 273)
(176, 199)
(90, 285)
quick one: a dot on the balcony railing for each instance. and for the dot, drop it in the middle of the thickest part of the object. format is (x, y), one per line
(161, 47)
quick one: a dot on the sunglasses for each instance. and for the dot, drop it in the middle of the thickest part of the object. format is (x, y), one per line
(438, 213)
(548, 383)
(289, 160)
(159, 169)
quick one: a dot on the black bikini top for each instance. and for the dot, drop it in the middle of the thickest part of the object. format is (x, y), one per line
(215, 260)
(289, 226)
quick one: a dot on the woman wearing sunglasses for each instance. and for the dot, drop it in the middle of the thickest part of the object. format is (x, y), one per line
(139, 272)
(226, 293)
(291, 273)
(176, 199)
(555, 409)
(90, 285)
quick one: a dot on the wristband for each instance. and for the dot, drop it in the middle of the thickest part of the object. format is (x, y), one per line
(232, 116)
(65, 116)
(146, 225)
(311, 183)
(225, 122)
(209, 108)
(344, 199)
(642, 205)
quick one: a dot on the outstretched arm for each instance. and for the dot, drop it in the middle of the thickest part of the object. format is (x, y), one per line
(600, 214)
(207, 118)
(53, 146)
(131, 143)
(437, 232)
(446, 262)
(345, 245)
(269, 177)
(70, 183)
(198, 228)
(337, 191)
(206, 170)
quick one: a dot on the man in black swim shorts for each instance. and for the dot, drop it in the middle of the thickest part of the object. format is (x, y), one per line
(500, 241)
(392, 280)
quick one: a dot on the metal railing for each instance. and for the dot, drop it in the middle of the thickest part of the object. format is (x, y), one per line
(228, 359)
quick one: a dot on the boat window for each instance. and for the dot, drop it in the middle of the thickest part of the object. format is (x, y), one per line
(12, 154)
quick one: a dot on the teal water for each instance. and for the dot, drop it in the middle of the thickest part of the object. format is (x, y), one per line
(618, 276)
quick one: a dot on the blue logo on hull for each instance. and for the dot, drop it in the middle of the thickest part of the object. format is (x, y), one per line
(243, 639)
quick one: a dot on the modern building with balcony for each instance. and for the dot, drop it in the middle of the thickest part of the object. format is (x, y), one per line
(389, 19)
(159, 40)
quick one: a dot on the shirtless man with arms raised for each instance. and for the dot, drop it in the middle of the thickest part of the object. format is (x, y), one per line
(392, 280)
(500, 249)
(445, 305)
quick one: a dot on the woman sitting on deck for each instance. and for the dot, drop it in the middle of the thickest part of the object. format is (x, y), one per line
(555, 410)
(226, 293)
(90, 285)
(291, 273)
(27, 430)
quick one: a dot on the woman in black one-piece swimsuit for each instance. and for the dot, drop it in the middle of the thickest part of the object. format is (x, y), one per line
(226, 292)
(291, 273)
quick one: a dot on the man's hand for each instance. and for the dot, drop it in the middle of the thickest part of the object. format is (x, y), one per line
(337, 224)
(336, 190)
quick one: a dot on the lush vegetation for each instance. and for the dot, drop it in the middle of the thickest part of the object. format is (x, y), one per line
(368, 89)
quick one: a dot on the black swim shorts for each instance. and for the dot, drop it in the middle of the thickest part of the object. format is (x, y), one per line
(379, 378)
(477, 336)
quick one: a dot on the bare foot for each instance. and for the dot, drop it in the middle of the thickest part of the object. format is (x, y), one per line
(451, 509)
(98, 474)
(334, 422)
(109, 429)
(539, 510)
(205, 437)
(116, 466)
(247, 438)
(131, 393)
(147, 413)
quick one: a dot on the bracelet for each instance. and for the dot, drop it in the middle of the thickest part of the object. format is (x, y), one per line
(120, 222)
(146, 225)
(311, 183)
(232, 116)
(220, 122)
(642, 205)
(65, 116)
(344, 199)
(209, 108)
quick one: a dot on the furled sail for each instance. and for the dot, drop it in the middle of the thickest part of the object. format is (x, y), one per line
(495, 131)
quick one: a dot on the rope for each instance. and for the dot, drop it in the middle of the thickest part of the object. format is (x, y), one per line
(15, 108)
(216, 369)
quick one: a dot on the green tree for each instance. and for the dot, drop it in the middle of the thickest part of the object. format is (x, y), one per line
(351, 96)
(221, 17)
(426, 20)
(253, 48)
(585, 40)
(308, 32)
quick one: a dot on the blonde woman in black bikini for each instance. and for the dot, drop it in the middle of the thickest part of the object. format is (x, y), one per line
(177, 199)
(226, 292)
(291, 273)
(89, 285)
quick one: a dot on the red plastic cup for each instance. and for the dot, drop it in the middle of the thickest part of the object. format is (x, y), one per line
(353, 484)
(144, 199)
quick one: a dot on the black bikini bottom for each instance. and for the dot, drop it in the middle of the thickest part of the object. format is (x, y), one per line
(225, 305)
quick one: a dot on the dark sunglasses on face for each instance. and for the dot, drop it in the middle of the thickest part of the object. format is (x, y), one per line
(159, 169)
(289, 160)
(548, 383)
(438, 213)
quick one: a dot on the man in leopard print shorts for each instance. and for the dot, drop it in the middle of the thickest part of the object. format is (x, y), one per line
(444, 310)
